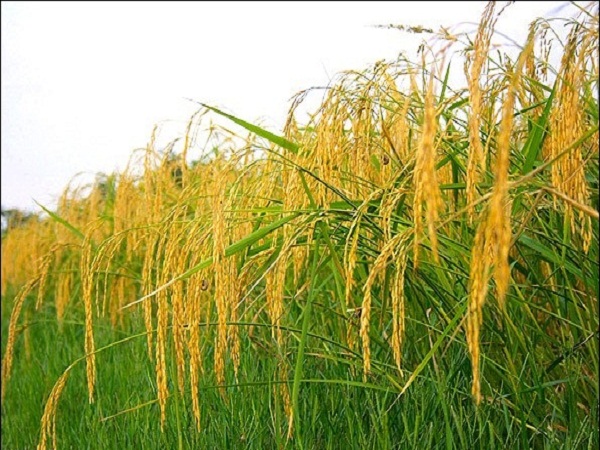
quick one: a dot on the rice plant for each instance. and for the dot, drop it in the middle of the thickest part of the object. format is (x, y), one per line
(413, 266)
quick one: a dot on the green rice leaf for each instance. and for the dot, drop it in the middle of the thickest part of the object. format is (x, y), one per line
(62, 221)
(278, 140)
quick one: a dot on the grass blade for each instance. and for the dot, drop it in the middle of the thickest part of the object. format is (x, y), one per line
(62, 221)
(278, 140)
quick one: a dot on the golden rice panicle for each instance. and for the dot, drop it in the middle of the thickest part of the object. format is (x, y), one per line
(242, 226)
(103, 262)
(387, 209)
(66, 208)
(197, 291)
(373, 92)
(498, 231)
(123, 207)
(27, 334)
(12, 333)
(48, 422)
(534, 67)
(567, 124)
(94, 205)
(389, 140)
(299, 253)
(295, 197)
(87, 284)
(198, 294)
(349, 262)
(274, 291)
(395, 125)
(378, 268)
(194, 380)
(350, 257)
(474, 64)
(23, 247)
(299, 256)
(188, 141)
(147, 280)
(397, 291)
(268, 186)
(9, 273)
(234, 331)
(178, 329)
(153, 194)
(478, 288)
(493, 235)
(174, 264)
(390, 202)
(427, 191)
(398, 308)
(361, 126)
(116, 292)
(221, 274)
(329, 144)
(287, 399)
(162, 324)
(385, 98)
(128, 207)
(64, 286)
(44, 269)
(161, 361)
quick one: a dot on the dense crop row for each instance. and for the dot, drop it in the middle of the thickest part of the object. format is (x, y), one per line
(406, 214)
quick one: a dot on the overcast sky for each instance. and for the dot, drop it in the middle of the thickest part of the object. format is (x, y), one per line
(84, 83)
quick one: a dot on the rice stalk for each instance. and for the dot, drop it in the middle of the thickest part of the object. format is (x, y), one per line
(474, 64)
(427, 194)
(87, 284)
(398, 305)
(7, 360)
(567, 122)
(221, 276)
(493, 236)
(48, 423)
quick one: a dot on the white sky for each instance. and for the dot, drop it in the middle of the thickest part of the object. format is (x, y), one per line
(84, 83)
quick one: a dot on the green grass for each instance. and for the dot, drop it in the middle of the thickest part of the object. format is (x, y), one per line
(531, 408)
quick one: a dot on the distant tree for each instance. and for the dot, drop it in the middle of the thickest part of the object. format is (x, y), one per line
(14, 217)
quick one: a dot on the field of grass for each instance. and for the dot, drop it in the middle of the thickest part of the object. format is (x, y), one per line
(415, 266)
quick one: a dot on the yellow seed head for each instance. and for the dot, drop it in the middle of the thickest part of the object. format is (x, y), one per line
(427, 192)
(48, 422)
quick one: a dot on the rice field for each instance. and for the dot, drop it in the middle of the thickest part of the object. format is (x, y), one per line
(414, 265)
